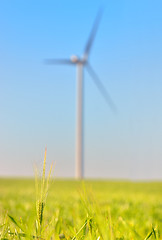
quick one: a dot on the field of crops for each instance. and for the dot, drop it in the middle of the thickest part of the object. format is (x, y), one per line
(81, 210)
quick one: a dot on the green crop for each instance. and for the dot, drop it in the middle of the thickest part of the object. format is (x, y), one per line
(90, 209)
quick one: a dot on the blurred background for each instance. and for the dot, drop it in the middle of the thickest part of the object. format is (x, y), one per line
(38, 102)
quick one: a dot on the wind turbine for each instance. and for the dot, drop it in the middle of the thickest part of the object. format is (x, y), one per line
(80, 63)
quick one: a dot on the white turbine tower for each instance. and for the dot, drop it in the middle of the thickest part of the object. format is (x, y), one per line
(80, 64)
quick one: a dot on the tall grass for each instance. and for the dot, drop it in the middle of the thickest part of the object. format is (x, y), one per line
(41, 196)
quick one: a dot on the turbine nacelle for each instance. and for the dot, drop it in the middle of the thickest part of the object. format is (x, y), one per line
(74, 59)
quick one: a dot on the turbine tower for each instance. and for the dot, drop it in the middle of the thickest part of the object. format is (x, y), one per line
(80, 64)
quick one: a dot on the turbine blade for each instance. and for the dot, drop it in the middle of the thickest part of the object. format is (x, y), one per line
(58, 61)
(101, 87)
(92, 35)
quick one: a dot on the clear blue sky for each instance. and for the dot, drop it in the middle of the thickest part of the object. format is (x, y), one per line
(37, 102)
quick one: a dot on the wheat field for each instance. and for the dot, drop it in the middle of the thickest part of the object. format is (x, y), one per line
(45, 208)
(93, 209)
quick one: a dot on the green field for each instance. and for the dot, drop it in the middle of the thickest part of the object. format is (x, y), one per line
(82, 210)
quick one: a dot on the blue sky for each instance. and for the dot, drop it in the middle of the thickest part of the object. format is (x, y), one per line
(37, 102)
